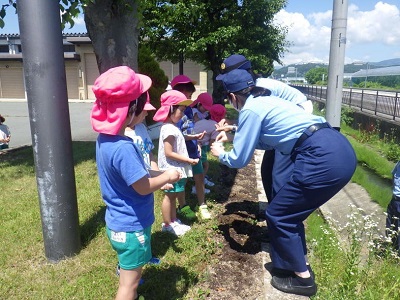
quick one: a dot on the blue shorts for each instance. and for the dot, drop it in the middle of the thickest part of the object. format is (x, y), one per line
(198, 169)
(179, 186)
(133, 248)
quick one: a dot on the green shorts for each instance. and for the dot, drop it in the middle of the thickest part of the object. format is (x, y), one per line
(179, 186)
(198, 169)
(133, 248)
(204, 150)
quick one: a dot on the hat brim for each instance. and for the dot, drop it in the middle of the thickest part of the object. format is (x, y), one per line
(185, 102)
(220, 76)
(146, 82)
(148, 106)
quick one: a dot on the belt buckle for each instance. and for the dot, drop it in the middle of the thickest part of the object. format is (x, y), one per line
(312, 128)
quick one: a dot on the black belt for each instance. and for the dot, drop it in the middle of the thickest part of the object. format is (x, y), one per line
(309, 132)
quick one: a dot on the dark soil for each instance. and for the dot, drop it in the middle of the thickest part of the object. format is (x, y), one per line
(238, 273)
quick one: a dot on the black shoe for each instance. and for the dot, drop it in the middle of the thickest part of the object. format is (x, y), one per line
(295, 285)
(311, 271)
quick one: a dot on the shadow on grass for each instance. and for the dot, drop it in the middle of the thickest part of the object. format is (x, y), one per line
(166, 282)
(92, 227)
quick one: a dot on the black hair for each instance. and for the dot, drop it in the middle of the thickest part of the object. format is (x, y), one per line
(136, 106)
(172, 109)
(185, 87)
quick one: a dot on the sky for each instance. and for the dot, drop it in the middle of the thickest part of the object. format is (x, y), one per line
(373, 30)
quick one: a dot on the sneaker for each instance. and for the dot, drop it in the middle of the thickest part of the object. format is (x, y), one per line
(204, 213)
(187, 213)
(208, 182)
(175, 228)
(206, 191)
(183, 227)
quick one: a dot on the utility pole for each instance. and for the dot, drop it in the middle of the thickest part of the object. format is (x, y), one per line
(45, 81)
(336, 63)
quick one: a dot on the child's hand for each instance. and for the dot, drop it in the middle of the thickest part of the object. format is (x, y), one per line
(173, 175)
(193, 161)
(167, 186)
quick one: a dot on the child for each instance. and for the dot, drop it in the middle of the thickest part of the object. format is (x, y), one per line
(185, 85)
(393, 209)
(126, 186)
(217, 113)
(201, 107)
(5, 134)
(140, 137)
(172, 152)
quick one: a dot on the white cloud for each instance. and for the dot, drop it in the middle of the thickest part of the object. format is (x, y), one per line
(367, 33)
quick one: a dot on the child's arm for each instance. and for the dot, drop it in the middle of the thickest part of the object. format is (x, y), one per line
(153, 162)
(146, 185)
(169, 152)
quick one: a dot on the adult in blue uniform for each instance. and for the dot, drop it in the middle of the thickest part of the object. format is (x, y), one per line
(323, 163)
(275, 166)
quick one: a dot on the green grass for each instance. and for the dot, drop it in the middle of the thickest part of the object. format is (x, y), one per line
(26, 272)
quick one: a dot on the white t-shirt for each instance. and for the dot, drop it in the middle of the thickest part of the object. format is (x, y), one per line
(164, 163)
(4, 132)
(142, 141)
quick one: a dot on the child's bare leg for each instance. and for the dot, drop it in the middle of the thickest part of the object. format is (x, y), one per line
(168, 206)
(199, 184)
(181, 199)
(128, 284)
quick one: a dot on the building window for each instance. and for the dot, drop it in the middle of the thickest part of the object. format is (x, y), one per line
(4, 49)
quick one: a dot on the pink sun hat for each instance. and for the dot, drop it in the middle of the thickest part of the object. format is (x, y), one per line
(217, 112)
(179, 79)
(148, 105)
(168, 99)
(114, 90)
(204, 99)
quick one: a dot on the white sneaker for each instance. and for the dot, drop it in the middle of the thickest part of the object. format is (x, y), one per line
(175, 228)
(183, 227)
(204, 213)
(206, 191)
(208, 182)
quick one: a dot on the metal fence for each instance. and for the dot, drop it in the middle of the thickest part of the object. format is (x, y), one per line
(378, 102)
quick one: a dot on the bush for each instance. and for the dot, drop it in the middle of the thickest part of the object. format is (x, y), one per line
(150, 67)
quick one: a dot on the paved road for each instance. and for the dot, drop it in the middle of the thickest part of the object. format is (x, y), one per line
(17, 119)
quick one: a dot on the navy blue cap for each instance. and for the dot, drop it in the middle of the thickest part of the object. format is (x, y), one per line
(237, 80)
(233, 62)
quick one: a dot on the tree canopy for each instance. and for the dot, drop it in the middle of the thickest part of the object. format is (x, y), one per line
(208, 31)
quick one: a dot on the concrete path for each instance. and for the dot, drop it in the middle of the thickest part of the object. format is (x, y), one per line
(338, 208)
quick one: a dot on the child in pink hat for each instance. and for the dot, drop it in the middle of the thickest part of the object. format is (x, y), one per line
(126, 185)
(201, 106)
(172, 153)
(140, 136)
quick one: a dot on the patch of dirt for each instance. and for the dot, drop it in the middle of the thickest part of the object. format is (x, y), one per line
(238, 273)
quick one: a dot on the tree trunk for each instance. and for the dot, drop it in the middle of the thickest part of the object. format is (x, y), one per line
(112, 26)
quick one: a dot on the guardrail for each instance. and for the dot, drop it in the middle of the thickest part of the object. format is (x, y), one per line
(378, 102)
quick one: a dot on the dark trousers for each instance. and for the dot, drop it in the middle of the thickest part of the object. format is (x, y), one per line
(393, 221)
(275, 170)
(323, 165)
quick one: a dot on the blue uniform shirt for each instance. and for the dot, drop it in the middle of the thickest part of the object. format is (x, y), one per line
(267, 123)
(282, 90)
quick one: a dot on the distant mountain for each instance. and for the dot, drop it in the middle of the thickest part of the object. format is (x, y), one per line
(387, 63)
(301, 69)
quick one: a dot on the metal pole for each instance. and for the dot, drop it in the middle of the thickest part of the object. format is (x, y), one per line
(366, 76)
(45, 80)
(336, 62)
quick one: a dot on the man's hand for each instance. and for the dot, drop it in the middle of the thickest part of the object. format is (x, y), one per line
(217, 148)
